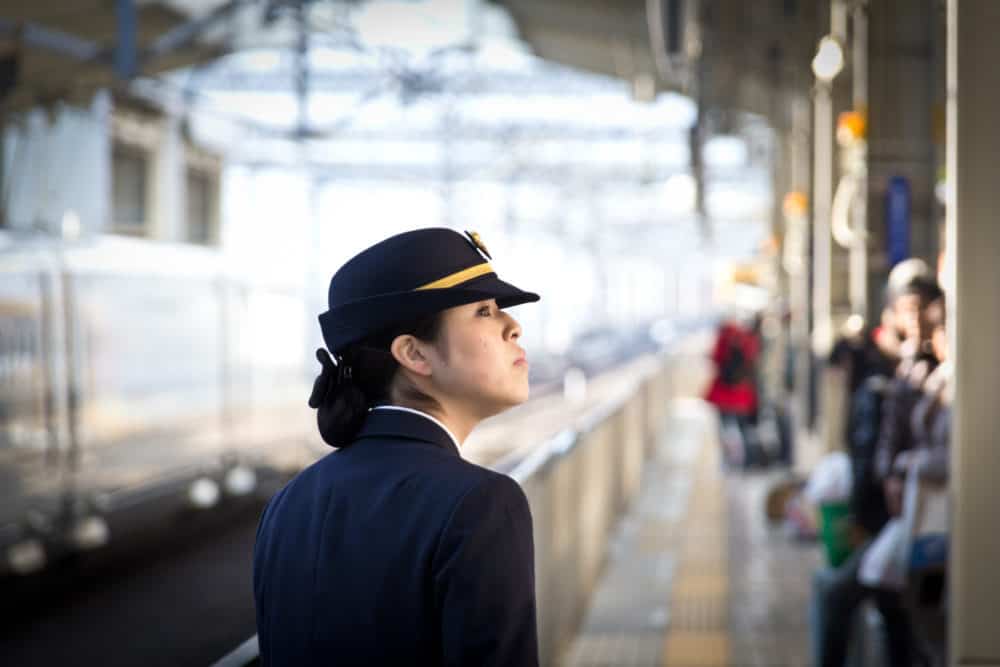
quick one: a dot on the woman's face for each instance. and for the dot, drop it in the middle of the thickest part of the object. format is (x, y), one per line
(907, 316)
(939, 339)
(477, 363)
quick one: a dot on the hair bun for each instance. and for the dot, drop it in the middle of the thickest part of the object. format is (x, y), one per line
(325, 381)
(341, 405)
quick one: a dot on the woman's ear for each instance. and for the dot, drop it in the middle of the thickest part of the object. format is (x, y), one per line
(406, 350)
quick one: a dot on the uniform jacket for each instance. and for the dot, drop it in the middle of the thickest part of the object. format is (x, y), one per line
(396, 551)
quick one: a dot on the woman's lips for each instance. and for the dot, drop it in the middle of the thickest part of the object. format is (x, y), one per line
(521, 361)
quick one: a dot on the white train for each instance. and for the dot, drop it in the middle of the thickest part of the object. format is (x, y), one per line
(140, 382)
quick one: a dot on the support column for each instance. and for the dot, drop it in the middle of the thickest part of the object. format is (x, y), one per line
(831, 389)
(822, 190)
(796, 257)
(902, 95)
(974, 238)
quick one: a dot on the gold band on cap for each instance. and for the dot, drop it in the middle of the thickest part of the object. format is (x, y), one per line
(459, 277)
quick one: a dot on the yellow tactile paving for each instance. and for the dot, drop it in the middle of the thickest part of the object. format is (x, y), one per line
(700, 586)
(697, 649)
(698, 632)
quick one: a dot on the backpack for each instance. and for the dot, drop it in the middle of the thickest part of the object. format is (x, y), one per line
(734, 368)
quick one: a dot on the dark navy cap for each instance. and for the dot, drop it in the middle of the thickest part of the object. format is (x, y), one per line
(409, 276)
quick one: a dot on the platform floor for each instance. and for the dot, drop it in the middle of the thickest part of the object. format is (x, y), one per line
(696, 576)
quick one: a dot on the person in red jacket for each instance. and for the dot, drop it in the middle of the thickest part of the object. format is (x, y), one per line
(734, 391)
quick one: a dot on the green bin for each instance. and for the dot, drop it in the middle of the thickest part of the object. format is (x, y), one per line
(835, 531)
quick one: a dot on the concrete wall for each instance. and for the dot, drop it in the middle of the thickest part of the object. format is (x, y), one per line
(57, 166)
(55, 162)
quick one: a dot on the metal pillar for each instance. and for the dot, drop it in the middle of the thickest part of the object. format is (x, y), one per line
(823, 173)
(822, 192)
(830, 382)
(697, 164)
(795, 252)
(973, 241)
(859, 94)
(901, 91)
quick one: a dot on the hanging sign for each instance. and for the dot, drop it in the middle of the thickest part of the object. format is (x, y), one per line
(897, 219)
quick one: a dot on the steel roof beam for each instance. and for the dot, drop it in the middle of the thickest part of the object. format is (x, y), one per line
(184, 34)
(358, 79)
(555, 174)
(56, 41)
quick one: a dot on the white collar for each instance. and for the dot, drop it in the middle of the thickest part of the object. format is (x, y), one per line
(422, 414)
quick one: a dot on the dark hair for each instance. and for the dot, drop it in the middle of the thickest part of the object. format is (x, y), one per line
(925, 287)
(364, 375)
(937, 313)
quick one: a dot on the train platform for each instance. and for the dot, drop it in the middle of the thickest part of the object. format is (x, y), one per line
(696, 576)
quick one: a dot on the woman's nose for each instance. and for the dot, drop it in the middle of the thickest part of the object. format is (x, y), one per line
(513, 329)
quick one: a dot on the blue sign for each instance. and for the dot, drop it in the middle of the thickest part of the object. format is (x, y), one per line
(897, 219)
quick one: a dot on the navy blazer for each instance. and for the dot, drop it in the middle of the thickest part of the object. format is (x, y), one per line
(396, 551)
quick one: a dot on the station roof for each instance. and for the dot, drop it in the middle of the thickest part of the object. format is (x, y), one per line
(53, 50)
(747, 56)
(604, 36)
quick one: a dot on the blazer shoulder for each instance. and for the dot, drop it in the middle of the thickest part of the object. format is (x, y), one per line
(477, 477)
(488, 493)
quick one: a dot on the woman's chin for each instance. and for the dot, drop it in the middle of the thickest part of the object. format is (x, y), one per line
(523, 392)
(515, 397)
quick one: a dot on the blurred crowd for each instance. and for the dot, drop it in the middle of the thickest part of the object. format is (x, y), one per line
(878, 503)
(890, 547)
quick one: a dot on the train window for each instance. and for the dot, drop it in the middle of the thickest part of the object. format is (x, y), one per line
(129, 176)
(201, 205)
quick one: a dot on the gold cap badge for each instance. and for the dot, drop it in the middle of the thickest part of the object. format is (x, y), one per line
(477, 242)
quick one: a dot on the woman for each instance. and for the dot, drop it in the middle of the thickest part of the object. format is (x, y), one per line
(733, 392)
(392, 549)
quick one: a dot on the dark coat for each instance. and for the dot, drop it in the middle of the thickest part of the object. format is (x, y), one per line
(396, 551)
(896, 429)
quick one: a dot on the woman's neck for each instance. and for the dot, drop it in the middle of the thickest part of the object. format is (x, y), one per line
(459, 425)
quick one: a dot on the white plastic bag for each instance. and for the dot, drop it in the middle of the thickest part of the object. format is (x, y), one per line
(883, 565)
(830, 481)
(918, 538)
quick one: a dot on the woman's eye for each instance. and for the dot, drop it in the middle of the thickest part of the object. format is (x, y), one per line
(485, 311)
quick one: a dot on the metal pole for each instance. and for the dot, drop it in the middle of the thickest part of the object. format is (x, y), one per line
(125, 57)
(823, 174)
(302, 68)
(822, 337)
(859, 249)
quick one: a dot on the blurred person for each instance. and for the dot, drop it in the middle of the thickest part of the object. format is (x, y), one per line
(872, 366)
(887, 336)
(838, 592)
(734, 391)
(904, 273)
(392, 549)
(930, 421)
(865, 351)
(882, 343)
(918, 434)
(917, 312)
